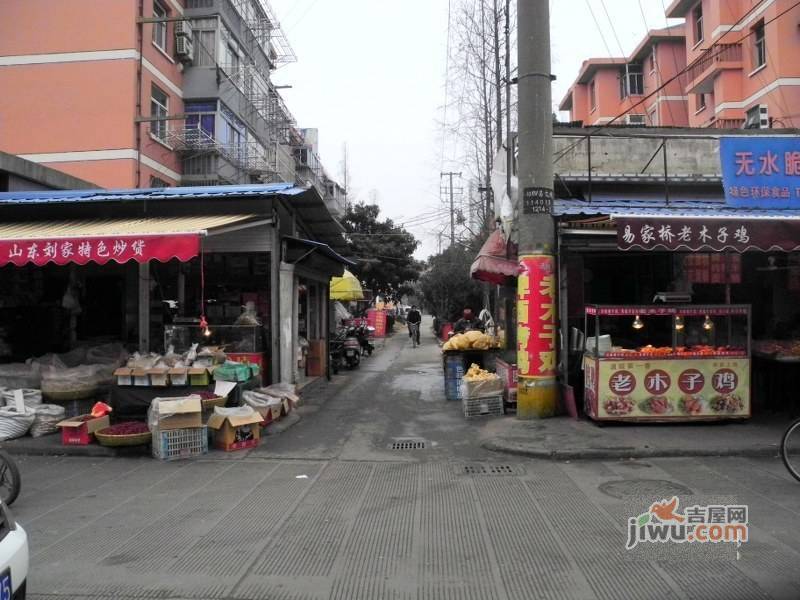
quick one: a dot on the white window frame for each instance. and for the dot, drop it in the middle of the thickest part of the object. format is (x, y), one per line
(592, 96)
(759, 46)
(697, 24)
(160, 29)
(159, 129)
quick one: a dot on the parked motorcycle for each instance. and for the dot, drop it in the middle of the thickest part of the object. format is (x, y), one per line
(364, 333)
(345, 350)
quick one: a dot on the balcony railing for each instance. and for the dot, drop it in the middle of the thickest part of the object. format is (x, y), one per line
(716, 55)
(728, 124)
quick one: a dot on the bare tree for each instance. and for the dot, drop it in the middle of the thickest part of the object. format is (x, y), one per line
(477, 106)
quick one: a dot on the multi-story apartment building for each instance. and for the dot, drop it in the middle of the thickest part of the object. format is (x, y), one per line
(608, 87)
(155, 93)
(744, 69)
(735, 61)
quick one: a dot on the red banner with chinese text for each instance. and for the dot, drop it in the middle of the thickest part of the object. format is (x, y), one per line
(100, 250)
(536, 316)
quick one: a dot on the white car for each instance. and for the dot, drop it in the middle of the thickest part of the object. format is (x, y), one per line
(13, 557)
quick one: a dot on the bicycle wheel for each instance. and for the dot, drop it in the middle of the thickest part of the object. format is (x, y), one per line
(790, 449)
(10, 480)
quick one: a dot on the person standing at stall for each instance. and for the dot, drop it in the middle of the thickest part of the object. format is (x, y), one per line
(468, 322)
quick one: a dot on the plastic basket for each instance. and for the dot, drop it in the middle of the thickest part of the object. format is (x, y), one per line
(176, 444)
(492, 406)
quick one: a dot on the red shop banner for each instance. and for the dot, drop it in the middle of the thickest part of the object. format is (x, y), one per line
(536, 316)
(100, 250)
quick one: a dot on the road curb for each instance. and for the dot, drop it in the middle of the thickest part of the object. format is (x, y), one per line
(619, 453)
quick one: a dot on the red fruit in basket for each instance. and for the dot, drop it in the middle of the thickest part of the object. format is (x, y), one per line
(126, 428)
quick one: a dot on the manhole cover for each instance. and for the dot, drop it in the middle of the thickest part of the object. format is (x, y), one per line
(408, 444)
(649, 488)
(489, 469)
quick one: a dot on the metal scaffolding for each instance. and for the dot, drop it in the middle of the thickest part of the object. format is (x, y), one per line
(266, 30)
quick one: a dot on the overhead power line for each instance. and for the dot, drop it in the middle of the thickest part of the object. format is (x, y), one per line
(599, 29)
(706, 54)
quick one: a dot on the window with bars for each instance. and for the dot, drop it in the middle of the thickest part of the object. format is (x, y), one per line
(592, 95)
(159, 108)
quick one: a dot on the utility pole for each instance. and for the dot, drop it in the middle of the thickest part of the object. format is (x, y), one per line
(537, 393)
(509, 143)
(450, 174)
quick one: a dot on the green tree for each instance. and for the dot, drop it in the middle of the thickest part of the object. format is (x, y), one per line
(384, 251)
(446, 284)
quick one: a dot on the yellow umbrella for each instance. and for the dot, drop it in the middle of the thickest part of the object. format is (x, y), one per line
(346, 288)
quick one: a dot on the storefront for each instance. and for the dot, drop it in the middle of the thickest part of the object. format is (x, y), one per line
(154, 269)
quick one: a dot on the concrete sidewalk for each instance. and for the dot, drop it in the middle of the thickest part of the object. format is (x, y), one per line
(563, 438)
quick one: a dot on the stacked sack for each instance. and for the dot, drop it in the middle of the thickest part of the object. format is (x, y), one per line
(471, 340)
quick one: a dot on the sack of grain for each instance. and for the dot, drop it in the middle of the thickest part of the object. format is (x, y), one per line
(31, 398)
(15, 424)
(46, 419)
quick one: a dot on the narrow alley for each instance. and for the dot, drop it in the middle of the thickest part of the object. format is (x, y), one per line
(382, 490)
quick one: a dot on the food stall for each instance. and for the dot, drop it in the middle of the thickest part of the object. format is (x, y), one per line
(695, 364)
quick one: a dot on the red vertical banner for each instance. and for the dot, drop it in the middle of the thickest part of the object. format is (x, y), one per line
(536, 316)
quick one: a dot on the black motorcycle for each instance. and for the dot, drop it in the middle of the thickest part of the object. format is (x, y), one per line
(345, 350)
(364, 333)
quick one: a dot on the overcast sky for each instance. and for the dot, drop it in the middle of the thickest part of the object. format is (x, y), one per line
(371, 73)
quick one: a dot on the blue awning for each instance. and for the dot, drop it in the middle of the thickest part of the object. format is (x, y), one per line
(193, 192)
(658, 207)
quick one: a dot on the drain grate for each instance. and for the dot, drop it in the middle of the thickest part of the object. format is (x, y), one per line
(408, 444)
(489, 469)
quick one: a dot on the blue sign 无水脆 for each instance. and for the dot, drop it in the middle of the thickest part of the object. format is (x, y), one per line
(761, 172)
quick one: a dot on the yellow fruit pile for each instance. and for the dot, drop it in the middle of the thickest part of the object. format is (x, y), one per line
(475, 373)
(472, 340)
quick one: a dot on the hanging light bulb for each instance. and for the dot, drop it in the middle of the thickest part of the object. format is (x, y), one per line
(638, 323)
(708, 324)
(679, 323)
(204, 326)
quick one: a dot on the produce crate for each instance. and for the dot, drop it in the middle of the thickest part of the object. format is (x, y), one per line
(492, 406)
(453, 364)
(175, 444)
(452, 389)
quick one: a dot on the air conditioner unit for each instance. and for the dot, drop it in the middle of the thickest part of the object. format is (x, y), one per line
(184, 48)
(183, 29)
(636, 119)
(757, 118)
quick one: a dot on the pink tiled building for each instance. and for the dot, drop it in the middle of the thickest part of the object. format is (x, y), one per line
(731, 64)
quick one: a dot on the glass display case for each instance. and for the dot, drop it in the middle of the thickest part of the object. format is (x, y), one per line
(667, 362)
(233, 339)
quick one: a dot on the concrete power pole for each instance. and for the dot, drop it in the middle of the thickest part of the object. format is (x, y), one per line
(452, 207)
(537, 392)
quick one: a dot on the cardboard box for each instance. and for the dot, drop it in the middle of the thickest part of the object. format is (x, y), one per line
(140, 378)
(199, 376)
(179, 376)
(180, 413)
(235, 432)
(124, 376)
(159, 377)
(76, 432)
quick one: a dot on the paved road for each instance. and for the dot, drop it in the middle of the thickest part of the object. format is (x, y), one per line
(328, 510)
